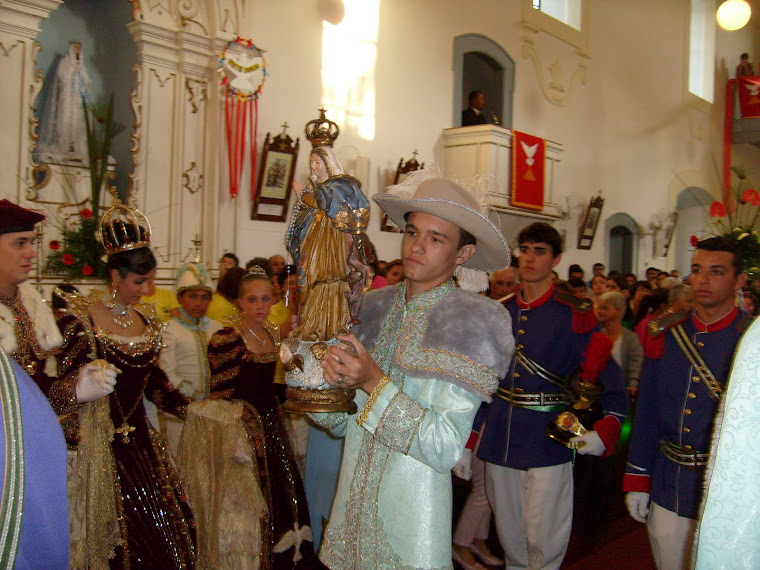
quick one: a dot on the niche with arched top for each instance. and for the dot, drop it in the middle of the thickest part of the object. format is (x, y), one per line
(623, 241)
(482, 64)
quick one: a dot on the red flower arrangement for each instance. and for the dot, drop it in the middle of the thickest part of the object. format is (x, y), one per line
(751, 196)
(693, 241)
(55, 245)
(87, 270)
(86, 214)
(718, 210)
(67, 259)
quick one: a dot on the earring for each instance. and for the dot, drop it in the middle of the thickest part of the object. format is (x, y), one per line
(111, 301)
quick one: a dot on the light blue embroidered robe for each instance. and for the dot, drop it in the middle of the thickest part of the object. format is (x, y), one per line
(445, 352)
(729, 532)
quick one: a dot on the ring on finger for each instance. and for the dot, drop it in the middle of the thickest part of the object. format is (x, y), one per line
(341, 379)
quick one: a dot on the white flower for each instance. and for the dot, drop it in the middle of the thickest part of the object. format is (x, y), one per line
(742, 236)
(737, 229)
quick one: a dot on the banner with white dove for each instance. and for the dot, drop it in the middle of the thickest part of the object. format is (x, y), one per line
(749, 96)
(528, 154)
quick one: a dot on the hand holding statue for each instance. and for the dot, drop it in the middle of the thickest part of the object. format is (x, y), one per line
(346, 371)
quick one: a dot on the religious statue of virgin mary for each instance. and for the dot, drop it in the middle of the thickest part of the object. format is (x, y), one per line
(327, 241)
(63, 136)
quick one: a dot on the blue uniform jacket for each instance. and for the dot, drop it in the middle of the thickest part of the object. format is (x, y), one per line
(674, 404)
(516, 437)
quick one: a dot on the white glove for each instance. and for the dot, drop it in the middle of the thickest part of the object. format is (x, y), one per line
(638, 505)
(463, 468)
(589, 444)
(96, 379)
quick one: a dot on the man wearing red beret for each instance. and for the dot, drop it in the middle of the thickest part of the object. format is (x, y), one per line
(33, 469)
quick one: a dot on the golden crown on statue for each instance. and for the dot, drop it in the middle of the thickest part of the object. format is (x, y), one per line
(123, 228)
(321, 131)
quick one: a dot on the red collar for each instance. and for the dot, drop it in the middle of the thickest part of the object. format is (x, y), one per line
(535, 303)
(717, 325)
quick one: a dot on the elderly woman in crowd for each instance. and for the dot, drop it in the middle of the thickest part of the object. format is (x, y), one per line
(626, 348)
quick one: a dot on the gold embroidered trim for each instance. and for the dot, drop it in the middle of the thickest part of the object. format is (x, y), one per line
(364, 414)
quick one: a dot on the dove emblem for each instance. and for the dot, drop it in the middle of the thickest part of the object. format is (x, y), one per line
(530, 152)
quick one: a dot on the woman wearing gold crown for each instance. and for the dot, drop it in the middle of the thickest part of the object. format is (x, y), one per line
(126, 505)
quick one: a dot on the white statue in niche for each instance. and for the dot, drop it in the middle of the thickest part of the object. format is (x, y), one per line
(63, 136)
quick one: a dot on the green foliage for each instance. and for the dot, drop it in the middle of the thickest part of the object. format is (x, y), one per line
(79, 254)
(101, 129)
(80, 247)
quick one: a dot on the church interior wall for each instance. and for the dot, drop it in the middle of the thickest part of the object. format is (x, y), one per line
(627, 131)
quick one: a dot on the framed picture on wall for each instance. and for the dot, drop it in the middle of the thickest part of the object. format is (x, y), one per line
(278, 164)
(402, 171)
(589, 223)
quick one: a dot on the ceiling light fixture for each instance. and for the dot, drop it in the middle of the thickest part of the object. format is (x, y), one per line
(733, 14)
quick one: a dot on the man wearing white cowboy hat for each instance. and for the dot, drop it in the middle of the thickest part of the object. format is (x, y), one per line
(184, 356)
(428, 354)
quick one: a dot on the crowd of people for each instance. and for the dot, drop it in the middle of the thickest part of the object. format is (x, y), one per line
(180, 454)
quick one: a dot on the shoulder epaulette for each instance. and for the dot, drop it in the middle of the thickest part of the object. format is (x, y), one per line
(744, 323)
(659, 325)
(578, 304)
(584, 317)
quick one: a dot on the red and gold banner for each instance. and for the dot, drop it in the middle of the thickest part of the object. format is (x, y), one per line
(528, 154)
(749, 96)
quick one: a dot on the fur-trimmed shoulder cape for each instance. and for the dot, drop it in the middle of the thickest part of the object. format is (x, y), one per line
(464, 338)
(45, 328)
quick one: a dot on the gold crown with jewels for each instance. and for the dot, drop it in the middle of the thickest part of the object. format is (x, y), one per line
(321, 131)
(123, 228)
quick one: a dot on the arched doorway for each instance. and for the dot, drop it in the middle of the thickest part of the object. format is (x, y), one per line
(692, 204)
(482, 64)
(623, 238)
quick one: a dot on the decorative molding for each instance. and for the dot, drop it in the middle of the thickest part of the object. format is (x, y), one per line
(157, 6)
(188, 10)
(7, 51)
(136, 102)
(192, 179)
(162, 82)
(34, 90)
(225, 20)
(196, 92)
(556, 89)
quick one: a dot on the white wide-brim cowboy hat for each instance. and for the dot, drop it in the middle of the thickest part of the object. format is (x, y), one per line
(449, 201)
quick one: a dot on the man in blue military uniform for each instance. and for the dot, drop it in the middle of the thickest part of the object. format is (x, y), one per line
(529, 477)
(687, 361)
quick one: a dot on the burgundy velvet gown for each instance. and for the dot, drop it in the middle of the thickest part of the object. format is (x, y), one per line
(238, 373)
(155, 521)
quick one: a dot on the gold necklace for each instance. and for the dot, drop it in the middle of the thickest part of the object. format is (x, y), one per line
(262, 342)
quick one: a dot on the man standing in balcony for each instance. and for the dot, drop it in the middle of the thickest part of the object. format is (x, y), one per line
(474, 115)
